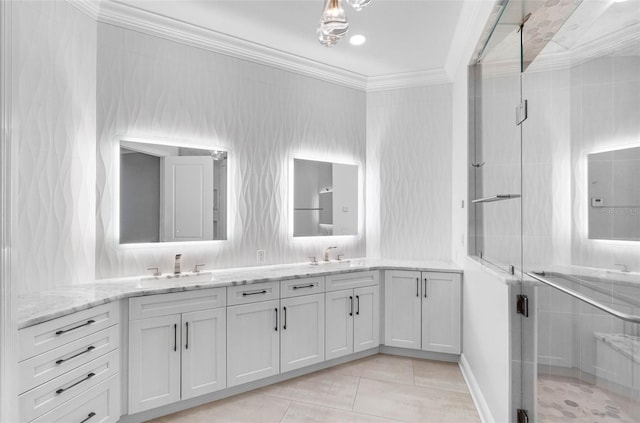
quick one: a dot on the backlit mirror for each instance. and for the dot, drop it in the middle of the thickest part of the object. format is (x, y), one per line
(325, 198)
(171, 193)
(614, 195)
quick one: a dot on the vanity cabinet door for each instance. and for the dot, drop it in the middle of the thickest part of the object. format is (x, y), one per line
(441, 312)
(339, 306)
(253, 344)
(366, 318)
(204, 355)
(302, 334)
(402, 313)
(154, 362)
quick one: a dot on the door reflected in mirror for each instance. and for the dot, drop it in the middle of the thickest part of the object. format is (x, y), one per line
(325, 198)
(614, 195)
(171, 193)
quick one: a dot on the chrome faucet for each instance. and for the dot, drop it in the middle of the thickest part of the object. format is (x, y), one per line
(326, 253)
(176, 269)
(624, 267)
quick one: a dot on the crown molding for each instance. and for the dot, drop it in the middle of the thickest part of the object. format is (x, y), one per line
(90, 8)
(468, 29)
(115, 13)
(407, 80)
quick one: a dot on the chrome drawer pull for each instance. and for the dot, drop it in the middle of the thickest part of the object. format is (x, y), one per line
(264, 291)
(60, 332)
(88, 417)
(303, 286)
(62, 360)
(89, 376)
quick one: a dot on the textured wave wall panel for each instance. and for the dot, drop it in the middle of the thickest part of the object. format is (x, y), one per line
(54, 127)
(409, 140)
(149, 87)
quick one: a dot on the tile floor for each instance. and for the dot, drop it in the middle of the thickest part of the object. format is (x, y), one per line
(376, 389)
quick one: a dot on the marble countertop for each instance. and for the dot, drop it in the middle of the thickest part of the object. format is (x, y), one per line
(46, 305)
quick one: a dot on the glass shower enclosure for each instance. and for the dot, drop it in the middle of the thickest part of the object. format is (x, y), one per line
(554, 188)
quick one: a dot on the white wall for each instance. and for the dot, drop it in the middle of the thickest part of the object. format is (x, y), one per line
(54, 108)
(408, 143)
(150, 87)
(485, 343)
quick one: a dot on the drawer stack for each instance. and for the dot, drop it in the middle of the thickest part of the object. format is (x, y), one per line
(69, 368)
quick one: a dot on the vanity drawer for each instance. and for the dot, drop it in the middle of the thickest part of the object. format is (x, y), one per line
(100, 404)
(244, 294)
(50, 395)
(46, 336)
(298, 287)
(180, 302)
(46, 366)
(351, 280)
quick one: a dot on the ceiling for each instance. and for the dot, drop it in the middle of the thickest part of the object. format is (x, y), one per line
(594, 28)
(402, 36)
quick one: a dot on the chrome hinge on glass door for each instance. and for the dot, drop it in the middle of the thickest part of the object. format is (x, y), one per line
(523, 417)
(522, 305)
(521, 112)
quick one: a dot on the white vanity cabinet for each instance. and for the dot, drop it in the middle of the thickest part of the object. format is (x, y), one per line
(352, 315)
(69, 367)
(423, 310)
(303, 324)
(253, 344)
(269, 336)
(176, 347)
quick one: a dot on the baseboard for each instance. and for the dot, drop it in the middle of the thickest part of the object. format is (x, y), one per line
(235, 390)
(476, 393)
(426, 355)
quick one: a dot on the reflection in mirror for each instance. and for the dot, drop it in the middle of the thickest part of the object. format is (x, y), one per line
(614, 195)
(325, 198)
(172, 193)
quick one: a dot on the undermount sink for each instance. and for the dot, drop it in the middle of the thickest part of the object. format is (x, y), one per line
(339, 264)
(172, 279)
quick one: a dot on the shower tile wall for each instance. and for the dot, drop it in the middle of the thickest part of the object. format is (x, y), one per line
(54, 108)
(573, 112)
(409, 141)
(546, 169)
(605, 99)
(150, 87)
(501, 221)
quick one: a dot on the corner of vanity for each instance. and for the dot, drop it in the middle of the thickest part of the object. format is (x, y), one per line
(133, 354)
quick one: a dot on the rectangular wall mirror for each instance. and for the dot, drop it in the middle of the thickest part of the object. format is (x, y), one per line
(325, 198)
(172, 193)
(614, 195)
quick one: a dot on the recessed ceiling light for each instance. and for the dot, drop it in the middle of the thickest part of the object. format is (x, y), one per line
(357, 40)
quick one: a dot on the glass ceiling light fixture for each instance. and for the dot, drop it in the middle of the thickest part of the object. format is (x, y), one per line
(358, 5)
(334, 25)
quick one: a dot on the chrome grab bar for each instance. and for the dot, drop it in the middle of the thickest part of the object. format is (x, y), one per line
(540, 277)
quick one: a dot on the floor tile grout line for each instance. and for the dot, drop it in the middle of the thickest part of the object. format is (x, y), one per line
(353, 403)
(413, 370)
(286, 411)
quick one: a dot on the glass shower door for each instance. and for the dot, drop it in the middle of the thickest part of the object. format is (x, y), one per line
(581, 205)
